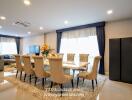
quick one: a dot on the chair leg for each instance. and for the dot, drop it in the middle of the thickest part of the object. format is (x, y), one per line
(51, 85)
(45, 79)
(73, 72)
(77, 81)
(93, 84)
(83, 80)
(72, 83)
(61, 89)
(16, 73)
(35, 80)
(43, 82)
(30, 79)
(96, 82)
(25, 77)
(20, 75)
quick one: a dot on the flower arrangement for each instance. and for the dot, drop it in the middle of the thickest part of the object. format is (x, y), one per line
(45, 49)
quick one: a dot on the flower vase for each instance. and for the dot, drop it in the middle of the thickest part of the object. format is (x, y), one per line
(45, 56)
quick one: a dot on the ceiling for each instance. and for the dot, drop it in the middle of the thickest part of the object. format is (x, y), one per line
(51, 14)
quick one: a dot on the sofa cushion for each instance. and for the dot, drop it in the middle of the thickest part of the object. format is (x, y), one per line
(7, 57)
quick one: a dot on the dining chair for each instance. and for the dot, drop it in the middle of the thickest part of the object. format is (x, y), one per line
(52, 55)
(61, 55)
(18, 65)
(90, 75)
(57, 73)
(39, 69)
(27, 67)
(70, 57)
(82, 58)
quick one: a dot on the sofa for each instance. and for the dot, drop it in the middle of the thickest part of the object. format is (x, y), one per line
(1, 64)
(8, 59)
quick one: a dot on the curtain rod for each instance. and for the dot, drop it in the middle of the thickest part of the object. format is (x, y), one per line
(98, 24)
(1, 35)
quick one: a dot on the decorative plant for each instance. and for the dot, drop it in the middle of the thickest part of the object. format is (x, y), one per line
(45, 49)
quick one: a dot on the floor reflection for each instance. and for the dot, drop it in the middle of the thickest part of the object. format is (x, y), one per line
(8, 74)
(9, 91)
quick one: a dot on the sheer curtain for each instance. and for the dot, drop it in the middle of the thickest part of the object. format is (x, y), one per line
(8, 46)
(80, 41)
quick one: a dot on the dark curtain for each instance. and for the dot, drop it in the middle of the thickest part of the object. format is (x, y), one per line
(59, 35)
(101, 43)
(18, 45)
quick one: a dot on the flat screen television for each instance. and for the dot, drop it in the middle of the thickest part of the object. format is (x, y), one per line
(34, 49)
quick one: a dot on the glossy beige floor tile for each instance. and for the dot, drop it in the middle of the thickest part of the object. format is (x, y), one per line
(111, 91)
(10, 92)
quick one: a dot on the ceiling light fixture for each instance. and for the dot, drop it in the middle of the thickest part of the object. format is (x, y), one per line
(41, 28)
(29, 32)
(0, 27)
(66, 22)
(27, 2)
(2, 17)
(109, 12)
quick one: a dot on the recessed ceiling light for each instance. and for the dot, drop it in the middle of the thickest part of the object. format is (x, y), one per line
(0, 27)
(29, 32)
(66, 22)
(109, 12)
(41, 28)
(27, 2)
(2, 17)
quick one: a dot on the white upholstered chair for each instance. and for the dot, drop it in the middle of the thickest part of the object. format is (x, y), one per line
(27, 67)
(90, 75)
(70, 57)
(61, 55)
(84, 58)
(57, 73)
(39, 69)
(55, 55)
(19, 65)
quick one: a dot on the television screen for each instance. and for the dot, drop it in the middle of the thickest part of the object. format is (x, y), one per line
(34, 49)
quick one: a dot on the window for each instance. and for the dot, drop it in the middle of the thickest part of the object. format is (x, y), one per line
(80, 41)
(7, 46)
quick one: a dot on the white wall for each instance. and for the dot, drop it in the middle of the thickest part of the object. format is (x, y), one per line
(51, 39)
(31, 40)
(116, 29)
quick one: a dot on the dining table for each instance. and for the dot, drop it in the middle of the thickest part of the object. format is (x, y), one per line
(67, 64)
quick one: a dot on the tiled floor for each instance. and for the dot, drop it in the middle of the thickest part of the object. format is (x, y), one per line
(10, 92)
(111, 91)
